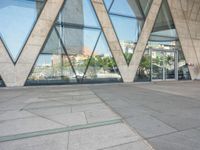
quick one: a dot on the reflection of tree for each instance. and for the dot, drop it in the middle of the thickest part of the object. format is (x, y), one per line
(97, 64)
(128, 56)
(144, 67)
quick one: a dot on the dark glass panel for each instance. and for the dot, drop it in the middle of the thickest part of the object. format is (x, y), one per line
(79, 12)
(145, 5)
(144, 71)
(17, 18)
(164, 31)
(126, 8)
(1, 82)
(102, 66)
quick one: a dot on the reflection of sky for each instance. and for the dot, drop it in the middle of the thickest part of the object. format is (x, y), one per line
(122, 7)
(17, 18)
(102, 47)
(89, 39)
(108, 3)
(127, 29)
(89, 15)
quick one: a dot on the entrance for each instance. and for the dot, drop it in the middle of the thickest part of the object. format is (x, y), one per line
(164, 65)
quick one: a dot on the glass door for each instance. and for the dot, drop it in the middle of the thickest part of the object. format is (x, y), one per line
(169, 60)
(157, 59)
(163, 65)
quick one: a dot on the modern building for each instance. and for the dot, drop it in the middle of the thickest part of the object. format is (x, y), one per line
(46, 42)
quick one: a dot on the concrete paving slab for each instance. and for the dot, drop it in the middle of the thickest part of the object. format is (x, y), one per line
(54, 110)
(100, 115)
(160, 110)
(44, 104)
(15, 114)
(138, 145)
(80, 101)
(48, 142)
(19, 126)
(185, 140)
(88, 107)
(101, 137)
(69, 119)
(149, 126)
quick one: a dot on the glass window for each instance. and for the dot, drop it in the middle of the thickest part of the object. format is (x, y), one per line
(128, 17)
(17, 18)
(162, 50)
(53, 65)
(79, 12)
(75, 40)
(144, 70)
(1, 82)
(102, 66)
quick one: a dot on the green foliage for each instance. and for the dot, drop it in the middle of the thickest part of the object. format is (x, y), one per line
(128, 57)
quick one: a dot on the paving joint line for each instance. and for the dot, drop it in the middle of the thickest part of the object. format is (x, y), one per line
(57, 130)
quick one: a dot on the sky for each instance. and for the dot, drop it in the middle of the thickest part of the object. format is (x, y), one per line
(17, 18)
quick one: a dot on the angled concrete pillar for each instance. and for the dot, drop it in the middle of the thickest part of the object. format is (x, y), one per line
(183, 13)
(128, 72)
(16, 75)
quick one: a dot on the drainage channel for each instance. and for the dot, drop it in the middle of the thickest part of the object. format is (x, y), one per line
(57, 130)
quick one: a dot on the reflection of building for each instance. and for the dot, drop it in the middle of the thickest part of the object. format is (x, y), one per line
(128, 46)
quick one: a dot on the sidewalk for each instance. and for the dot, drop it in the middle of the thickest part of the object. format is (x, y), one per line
(62, 118)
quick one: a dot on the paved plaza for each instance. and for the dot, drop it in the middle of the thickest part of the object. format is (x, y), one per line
(62, 118)
(145, 116)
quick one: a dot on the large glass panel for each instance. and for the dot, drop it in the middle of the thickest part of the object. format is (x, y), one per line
(164, 47)
(169, 62)
(52, 65)
(183, 71)
(79, 12)
(144, 71)
(79, 44)
(128, 17)
(1, 82)
(17, 18)
(157, 65)
(68, 51)
(102, 66)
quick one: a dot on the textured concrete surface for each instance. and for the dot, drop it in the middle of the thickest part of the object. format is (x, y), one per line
(62, 118)
(167, 114)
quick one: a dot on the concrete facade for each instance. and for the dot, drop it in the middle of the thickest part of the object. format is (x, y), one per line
(185, 13)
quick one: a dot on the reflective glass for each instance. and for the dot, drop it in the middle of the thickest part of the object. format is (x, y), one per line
(52, 65)
(102, 66)
(166, 59)
(79, 44)
(128, 31)
(17, 18)
(144, 70)
(183, 71)
(145, 5)
(75, 39)
(79, 12)
(128, 17)
(127, 8)
(1, 82)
